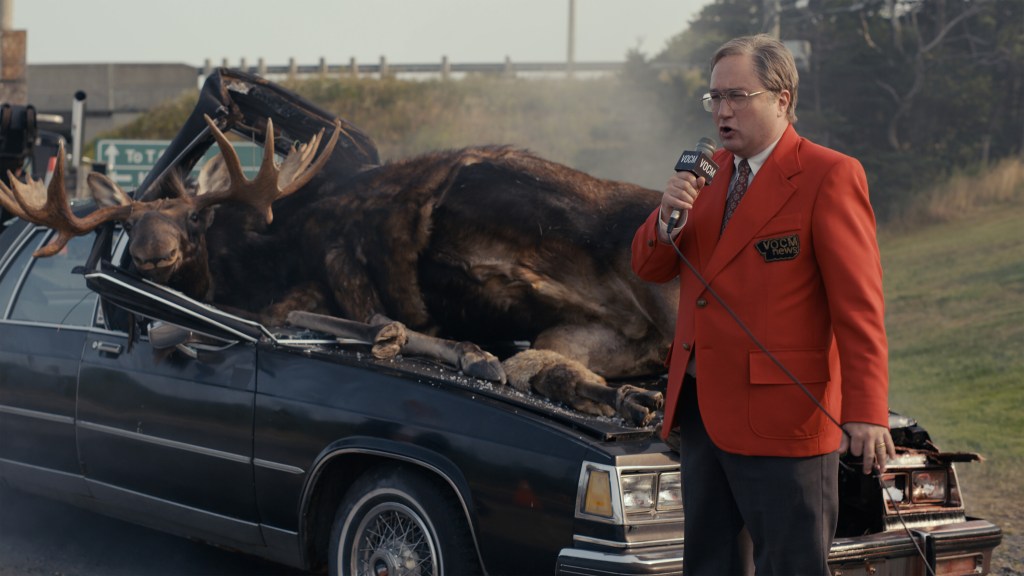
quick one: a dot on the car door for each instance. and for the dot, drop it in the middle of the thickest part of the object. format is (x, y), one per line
(165, 433)
(46, 312)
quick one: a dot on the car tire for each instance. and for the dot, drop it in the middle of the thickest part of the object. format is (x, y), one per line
(396, 520)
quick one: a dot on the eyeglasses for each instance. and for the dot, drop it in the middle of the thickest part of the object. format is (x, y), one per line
(737, 99)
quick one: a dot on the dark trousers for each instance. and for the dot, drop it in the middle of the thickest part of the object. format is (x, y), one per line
(789, 506)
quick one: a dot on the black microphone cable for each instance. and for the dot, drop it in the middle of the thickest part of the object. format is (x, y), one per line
(757, 342)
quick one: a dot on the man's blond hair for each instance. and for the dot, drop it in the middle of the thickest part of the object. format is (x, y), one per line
(773, 64)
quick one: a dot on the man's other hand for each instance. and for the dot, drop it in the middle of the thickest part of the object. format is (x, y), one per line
(871, 442)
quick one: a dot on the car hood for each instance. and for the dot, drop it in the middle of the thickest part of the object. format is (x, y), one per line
(158, 302)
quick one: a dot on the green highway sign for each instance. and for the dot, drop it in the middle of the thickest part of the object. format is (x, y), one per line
(129, 161)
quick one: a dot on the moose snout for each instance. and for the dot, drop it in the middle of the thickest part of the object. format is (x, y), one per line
(150, 262)
(155, 258)
(157, 267)
(156, 246)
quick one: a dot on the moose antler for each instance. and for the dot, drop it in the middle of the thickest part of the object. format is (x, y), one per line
(49, 206)
(272, 182)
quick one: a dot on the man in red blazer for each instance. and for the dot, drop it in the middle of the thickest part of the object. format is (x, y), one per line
(785, 236)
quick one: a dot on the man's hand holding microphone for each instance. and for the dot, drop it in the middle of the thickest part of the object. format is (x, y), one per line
(694, 170)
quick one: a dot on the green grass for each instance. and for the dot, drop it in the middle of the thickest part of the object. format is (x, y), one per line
(954, 302)
(955, 319)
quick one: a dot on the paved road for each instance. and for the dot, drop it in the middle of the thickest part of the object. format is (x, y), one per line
(39, 537)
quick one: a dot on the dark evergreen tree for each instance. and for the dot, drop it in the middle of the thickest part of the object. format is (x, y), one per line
(913, 88)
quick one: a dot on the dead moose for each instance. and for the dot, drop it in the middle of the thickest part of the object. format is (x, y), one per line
(484, 244)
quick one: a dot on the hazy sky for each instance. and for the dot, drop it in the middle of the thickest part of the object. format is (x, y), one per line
(405, 31)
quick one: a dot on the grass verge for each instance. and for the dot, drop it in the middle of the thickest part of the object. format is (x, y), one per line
(955, 319)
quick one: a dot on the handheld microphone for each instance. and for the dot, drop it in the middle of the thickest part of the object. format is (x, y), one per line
(699, 163)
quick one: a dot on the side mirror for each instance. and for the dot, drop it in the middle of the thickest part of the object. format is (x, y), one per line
(163, 335)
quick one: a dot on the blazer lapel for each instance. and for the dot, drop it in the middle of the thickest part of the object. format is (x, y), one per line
(708, 221)
(770, 190)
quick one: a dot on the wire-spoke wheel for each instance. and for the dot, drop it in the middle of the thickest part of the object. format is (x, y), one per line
(392, 541)
(395, 521)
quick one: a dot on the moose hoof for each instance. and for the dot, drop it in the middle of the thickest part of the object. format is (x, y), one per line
(637, 405)
(389, 340)
(478, 363)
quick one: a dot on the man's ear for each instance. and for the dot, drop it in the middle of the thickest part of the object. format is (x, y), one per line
(784, 99)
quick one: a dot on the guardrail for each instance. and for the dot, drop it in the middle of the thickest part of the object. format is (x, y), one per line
(444, 69)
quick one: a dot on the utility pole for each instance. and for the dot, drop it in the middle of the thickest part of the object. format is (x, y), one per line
(771, 25)
(570, 59)
(6, 14)
(13, 86)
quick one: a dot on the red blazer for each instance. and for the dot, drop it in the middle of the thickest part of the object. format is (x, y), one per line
(799, 264)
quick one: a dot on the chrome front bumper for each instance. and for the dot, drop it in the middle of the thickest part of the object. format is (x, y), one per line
(960, 547)
(663, 562)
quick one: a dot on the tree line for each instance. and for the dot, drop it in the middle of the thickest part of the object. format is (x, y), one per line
(915, 89)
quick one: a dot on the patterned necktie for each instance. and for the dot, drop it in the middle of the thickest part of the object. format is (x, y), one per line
(739, 188)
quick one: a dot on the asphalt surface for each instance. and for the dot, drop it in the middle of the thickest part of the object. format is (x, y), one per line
(39, 537)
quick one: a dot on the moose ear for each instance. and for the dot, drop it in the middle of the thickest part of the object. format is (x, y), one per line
(214, 176)
(105, 192)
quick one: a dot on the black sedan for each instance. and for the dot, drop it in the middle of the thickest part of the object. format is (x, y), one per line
(149, 406)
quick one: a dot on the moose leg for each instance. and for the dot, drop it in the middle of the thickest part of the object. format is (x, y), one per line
(390, 339)
(471, 359)
(562, 379)
(387, 340)
(605, 350)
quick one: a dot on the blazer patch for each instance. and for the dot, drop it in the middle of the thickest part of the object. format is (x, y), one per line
(780, 248)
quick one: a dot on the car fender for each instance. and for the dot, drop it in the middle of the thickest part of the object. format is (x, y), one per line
(379, 450)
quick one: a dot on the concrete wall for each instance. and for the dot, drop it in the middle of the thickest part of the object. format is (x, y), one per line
(12, 66)
(115, 93)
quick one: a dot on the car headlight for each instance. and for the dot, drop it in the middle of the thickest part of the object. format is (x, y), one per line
(638, 492)
(616, 494)
(670, 491)
(918, 486)
(928, 486)
(895, 488)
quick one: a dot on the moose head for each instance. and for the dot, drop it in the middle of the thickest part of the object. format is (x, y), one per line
(168, 234)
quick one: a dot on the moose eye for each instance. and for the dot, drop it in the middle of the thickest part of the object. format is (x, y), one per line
(194, 216)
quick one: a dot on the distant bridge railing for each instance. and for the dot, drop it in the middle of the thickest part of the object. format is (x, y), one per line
(444, 69)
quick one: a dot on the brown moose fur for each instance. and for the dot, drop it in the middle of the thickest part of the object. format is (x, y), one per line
(487, 244)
